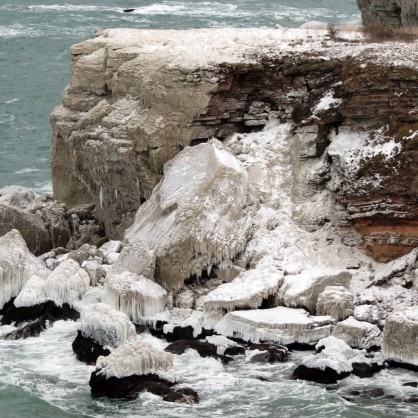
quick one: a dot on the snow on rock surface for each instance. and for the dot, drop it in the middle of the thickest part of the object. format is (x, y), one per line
(110, 328)
(281, 325)
(246, 291)
(221, 342)
(134, 295)
(136, 358)
(400, 342)
(17, 265)
(32, 293)
(368, 313)
(136, 257)
(302, 290)
(67, 283)
(193, 225)
(335, 301)
(94, 270)
(358, 334)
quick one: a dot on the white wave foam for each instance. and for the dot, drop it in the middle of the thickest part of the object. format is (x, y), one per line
(27, 170)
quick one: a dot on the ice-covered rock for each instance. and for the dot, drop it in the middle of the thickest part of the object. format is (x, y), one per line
(282, 325)
(109, 247)
(185, 299)
(367, 313)
(248, 290)
(366, 365)
(94, 270)
(136, 257)
(134, 295)
(197, 216)
(336, 301)
(67, 283)
(110, 328)
(224, 345)
(136, 358)
(358, 334)
(18, 197)
(332, 363)
(32, 293)
(400, 342)
(302, 290)
(17, 265)
(131, 369)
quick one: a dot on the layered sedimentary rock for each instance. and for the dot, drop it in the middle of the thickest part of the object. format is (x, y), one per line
(396, 13)
(137, 98)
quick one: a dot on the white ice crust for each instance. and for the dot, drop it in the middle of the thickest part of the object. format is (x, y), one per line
(110, 328)
(282, 325)
(358, 334)
(246, 291)
(197, 216)
(136, 358)
(134, 295)
(67, 283)
(17, 265)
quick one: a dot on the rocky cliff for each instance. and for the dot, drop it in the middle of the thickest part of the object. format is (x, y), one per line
(137, 98)
(396, 13)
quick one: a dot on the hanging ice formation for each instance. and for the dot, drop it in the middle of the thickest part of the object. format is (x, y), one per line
(197, 216)
(136, 358)
(110, 328)
(134, 295)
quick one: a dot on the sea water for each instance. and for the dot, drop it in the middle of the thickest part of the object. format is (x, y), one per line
(40, 377)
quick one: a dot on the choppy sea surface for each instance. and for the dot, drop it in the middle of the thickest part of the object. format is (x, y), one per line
(40, 377)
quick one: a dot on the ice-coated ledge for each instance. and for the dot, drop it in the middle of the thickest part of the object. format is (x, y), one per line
(281, 325)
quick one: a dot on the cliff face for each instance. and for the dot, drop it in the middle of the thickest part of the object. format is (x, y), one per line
(395, 13)
(137, 98)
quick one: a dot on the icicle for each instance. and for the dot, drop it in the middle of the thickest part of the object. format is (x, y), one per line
(101, 197)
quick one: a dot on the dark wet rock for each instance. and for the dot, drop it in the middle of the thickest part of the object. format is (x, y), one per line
(128, 387)
(128, 10)
(204, 349)
(183, 395)
(87, 349)
(140, 329)
(327, 375)
(412, 399)
(262, 379)
(179, 333)
(411, 384)
(235, 351)
(47, 310)
(32, 329)
(366, 369)
(273, 355)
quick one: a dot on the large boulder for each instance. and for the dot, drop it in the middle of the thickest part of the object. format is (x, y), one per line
(282, 325)
(134, 295)
(102, 329)
(131, 369)
(197, 216)
(400, 342)
(247, 291)
(336, 301)
(358, 334)
(302, 290)
(17, 265)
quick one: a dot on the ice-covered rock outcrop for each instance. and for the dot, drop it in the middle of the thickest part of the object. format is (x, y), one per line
(67, 283)
(302, 290)
(358, 334)
(400, 342)
(246, 291)
(134, 295)
(282, 325)
(110, 328)
(131, 369)
(336, 301)
(102, 329)
(332, 363)
(197, 216)
(17, 265)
